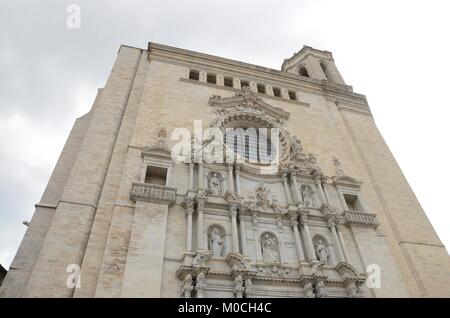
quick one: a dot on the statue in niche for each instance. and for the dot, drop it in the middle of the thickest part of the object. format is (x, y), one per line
(321, 252)
(216, 243)
(270, 249)
(308, 197)
(215, 184)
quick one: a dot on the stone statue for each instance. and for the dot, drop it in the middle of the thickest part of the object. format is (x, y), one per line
(214, 184)
(307, 197)
(216, 243)
(270, 249)
(296, 145)
(321, 252)
(313, 165)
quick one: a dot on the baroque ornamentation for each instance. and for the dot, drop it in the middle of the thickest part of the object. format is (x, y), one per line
(215, 181)
(322, 252)
(320, 289)
(201, 258)
(308, 194)
(273, 270)
(300, 162)
(216, 242)
(187, 286)
(270, 248)
(338, 167)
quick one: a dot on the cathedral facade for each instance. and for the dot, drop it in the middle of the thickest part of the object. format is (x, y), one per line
(134, 207)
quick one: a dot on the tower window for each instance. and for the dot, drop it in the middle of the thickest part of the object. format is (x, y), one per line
(303, 71)
(261, 88)
(156, 175)
(292, 95)
(324, 69)
(276, 92)
(244, 84)
(211, 78)
(194, 75)
(228, 81)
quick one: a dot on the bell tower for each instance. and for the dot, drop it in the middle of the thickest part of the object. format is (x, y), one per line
(315, 64)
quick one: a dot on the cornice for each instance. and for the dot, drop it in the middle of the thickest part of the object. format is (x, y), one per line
(235, 68)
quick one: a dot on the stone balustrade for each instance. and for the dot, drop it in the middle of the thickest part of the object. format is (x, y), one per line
(360, 218)
(152, 193)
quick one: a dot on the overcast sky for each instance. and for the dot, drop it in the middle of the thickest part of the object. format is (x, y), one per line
(394, 52)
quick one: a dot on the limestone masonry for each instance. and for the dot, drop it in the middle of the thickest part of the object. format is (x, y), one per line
(333, 217)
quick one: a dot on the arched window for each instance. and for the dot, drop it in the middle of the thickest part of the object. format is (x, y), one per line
(303, 71)
(324, 69)
(251, 145)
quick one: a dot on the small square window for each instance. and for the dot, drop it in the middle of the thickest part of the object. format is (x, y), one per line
(211, 78)
(276, 92)
(156, 175)
(244, 84)
(228, 81)
(292, 95)
(194, 75)
(261, 88)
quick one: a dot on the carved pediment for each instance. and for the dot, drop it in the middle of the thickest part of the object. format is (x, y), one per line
(201, 258)
(347, 271)
(246, 101)
(156, 151)
(237, 262)
(346, 181)
(273, 270)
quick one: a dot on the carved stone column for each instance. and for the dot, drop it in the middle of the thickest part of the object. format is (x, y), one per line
(200, 241)
(307, 236)
(332, 225)
(248, 288)
(230, 178)
(238, 288)
(298, 243)
(281, 241)
(325, 191)
(234, 230)
(286, 187)
(243, 234)
(318, 181)
(256, 238)
(341, 240)
(202, 76)
(236, 83)
(200, 176)
(237, 171)
(191, 176)
(186, 288)
(200, 285)
(220, 80)
(189, 205)
(298, 196)
(320, 289)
